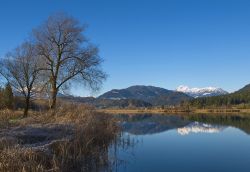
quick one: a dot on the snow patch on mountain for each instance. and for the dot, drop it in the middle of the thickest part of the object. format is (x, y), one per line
(201, 92)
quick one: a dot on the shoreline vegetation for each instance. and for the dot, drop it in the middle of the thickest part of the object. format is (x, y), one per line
(69, 138)
(177, 111)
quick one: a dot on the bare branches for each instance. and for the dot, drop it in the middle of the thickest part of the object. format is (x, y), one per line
(68, 56)
(58, 56)
(20, 69)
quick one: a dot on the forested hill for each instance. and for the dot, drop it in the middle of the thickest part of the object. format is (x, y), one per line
(245, 89)
(154, 95)
(240, 97)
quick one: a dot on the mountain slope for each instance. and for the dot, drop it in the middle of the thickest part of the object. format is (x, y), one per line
(241, 96)
(150, 94)
(201, 92)
(244, 89)
(107, 103)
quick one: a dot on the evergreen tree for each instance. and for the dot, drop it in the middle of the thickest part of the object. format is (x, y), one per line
(8, 97)
(1, 98)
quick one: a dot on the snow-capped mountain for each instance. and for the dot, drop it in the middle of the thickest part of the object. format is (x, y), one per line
(201, 92)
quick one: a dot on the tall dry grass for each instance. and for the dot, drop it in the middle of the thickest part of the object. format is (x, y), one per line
(7, 116)
(86, 150)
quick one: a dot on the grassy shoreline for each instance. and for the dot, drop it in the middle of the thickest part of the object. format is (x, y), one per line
(69, 138)
(176, 111)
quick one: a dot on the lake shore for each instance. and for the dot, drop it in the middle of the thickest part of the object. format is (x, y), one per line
(176, 111)
(53, 140)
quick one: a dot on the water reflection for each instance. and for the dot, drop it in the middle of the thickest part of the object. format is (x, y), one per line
(192, 142)
(198, 127)
(151, 124)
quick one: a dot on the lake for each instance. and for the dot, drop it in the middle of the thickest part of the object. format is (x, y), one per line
(202, 143)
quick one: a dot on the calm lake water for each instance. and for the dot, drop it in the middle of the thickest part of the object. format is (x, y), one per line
(203, 143)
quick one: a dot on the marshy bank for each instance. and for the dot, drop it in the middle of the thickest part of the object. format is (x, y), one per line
(71, 138)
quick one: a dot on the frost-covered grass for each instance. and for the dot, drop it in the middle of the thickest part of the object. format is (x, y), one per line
(71, 138)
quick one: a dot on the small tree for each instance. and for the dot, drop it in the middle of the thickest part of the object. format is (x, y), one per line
(8, 97)
(68, 56)
(20, 69)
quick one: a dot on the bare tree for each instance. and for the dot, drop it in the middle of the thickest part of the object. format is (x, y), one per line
(20, 69)
(68, 56)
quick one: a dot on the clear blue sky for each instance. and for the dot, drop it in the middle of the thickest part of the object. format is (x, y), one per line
(164, 43)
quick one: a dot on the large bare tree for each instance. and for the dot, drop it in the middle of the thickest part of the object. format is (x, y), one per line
(68, 55)
(21, 68)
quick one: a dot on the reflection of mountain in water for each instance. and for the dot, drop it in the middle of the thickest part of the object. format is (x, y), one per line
(239, 121)
(150, 124)
(197, 127)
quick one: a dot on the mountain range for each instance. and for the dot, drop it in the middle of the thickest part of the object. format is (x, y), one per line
(146, 96)
(138, 96)
(201, 92)
(240, 97)
(154, 95)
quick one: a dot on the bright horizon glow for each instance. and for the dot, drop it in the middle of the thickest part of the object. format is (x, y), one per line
(164, 43)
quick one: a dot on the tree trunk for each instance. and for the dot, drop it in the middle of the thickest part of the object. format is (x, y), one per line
(27, 105)
(53, 98)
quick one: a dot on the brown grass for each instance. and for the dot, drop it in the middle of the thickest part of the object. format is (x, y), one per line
(87, 150)
(7, 117)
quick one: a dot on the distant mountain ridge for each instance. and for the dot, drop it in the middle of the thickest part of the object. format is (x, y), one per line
(201, 92)
(136, 92)
(240, 97)
(150, 94)
(246, 88)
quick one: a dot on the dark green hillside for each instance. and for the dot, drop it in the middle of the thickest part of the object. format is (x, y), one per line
(245, 89)
(121, 103)
(108, 103)
(154, 95)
